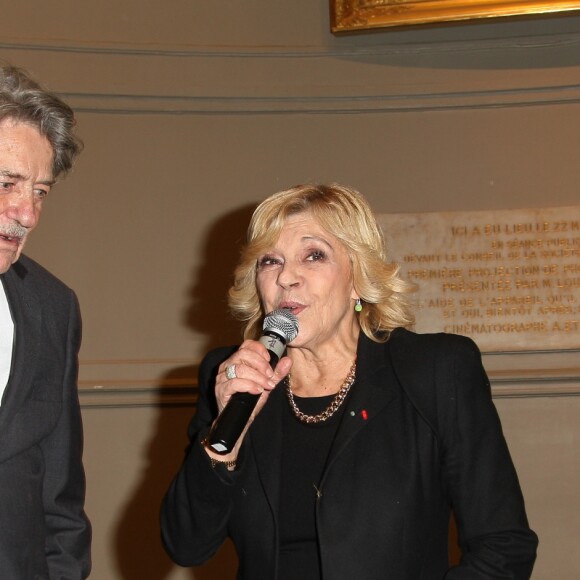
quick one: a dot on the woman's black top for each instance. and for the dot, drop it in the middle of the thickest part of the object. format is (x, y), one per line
(304, 452)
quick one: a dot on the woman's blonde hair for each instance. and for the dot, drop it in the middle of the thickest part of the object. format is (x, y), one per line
(345, 214)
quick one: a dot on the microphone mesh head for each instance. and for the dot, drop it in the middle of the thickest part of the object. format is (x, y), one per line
(283, 322)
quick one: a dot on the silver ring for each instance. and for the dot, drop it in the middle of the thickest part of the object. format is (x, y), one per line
(231, 372)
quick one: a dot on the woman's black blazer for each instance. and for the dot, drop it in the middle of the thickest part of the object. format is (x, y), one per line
(420, 437)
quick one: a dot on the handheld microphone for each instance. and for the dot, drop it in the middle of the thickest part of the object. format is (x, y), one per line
(280, 327)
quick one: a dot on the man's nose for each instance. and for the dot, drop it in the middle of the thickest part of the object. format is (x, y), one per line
(22, 208)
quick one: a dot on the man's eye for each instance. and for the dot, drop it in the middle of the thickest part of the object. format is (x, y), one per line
(6, 184)
(42, 193)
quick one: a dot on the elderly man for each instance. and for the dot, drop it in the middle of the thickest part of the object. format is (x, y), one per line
(44, 532)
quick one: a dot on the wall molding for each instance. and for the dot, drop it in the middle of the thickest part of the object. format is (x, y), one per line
(111, 104)
(153, 382)
(342, 47)
(373, 78)
(138, 395)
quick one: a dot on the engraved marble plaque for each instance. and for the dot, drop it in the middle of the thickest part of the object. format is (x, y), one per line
(509, 279)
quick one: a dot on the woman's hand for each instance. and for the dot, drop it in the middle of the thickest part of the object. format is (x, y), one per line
(248, 370)
(253, 374)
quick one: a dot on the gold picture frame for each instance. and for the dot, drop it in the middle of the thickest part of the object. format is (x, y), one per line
(352, 15)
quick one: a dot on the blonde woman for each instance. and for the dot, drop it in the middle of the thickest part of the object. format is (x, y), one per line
(365, 435)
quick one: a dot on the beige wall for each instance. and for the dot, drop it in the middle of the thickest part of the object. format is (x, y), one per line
(194, 111)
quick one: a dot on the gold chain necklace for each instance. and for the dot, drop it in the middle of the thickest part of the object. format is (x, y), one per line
(334, 405)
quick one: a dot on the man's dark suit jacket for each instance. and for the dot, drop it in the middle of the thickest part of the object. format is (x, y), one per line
(44, 533)
(429, 440)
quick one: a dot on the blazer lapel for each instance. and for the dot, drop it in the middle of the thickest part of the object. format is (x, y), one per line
(26, 313)
(372, 391)
(265, 437)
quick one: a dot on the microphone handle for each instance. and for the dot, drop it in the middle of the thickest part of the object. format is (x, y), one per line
(233, 418)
